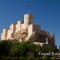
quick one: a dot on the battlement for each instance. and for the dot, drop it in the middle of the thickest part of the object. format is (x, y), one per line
(20, 26)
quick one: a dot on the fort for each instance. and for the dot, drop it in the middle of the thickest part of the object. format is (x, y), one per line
(26, 30)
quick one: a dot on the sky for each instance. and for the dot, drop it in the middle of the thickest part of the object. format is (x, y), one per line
(45, 12)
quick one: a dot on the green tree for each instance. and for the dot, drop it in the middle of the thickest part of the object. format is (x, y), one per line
(44, 57)
(32, 47)
(19, 49)
(22, 58)
(47, 48)
(5, 47)
(14, 51)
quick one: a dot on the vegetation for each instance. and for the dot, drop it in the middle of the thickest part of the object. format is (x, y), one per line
(15, 50)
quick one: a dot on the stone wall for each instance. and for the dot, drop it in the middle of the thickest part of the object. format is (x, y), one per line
(11, 31)
(4, 34)
(18, 26)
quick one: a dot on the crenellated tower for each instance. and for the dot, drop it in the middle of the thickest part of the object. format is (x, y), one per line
(28, 19)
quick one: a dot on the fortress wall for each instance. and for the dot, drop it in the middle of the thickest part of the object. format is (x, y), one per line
(8, 34)
(1, 36)
(22, 26)
(11, 31)
(4, 31)
(12, 28)
(4, 34)
(18, 26)
(36, 28)
(30, 30)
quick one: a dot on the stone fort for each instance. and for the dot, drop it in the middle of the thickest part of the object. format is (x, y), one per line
(26, 30)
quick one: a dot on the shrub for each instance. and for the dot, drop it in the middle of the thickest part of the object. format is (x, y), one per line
(22, 58)
(44, 57)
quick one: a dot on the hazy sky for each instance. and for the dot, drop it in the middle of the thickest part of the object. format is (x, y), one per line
(46, 13)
